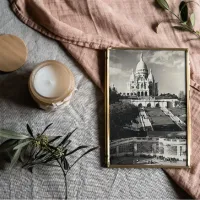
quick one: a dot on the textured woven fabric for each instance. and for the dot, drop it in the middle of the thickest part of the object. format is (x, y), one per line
(83, 26)
(87, 180)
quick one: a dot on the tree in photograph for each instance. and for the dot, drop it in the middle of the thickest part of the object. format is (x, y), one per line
(181, 96)
(168, 96)
(122, 114)
(114, 95)
(182, 99)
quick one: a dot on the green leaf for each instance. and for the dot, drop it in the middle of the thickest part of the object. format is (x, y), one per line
(15, 157)
(29, 130)
(22, 155)
(46, 128)
(21, 145)
(180, 28)
(54, 139)
(92, 149)
(7, 145)
(183, 11)
(163, 4)
(192, 19)
(68, 142)
(66, 164)
(12, 135)
(64, 140)
(43, 156)
(10, 154)
(78, 148)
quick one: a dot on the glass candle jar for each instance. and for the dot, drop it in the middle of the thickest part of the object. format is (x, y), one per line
(51, 84)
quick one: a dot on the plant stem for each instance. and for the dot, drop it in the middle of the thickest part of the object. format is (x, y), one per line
(189, 29)
(175, 15)
(65, 177)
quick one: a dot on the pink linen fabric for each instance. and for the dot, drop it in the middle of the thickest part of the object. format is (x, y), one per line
(87, 27)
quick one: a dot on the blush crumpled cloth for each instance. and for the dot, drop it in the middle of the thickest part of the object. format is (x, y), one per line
(87, 27)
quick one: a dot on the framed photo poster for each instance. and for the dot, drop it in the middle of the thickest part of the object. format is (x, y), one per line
(147, 108)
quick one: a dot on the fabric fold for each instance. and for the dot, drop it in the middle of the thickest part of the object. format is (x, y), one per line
(87, 27)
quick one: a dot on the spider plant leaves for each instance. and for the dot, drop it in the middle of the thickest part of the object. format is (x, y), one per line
(29, 130)
(7, 145)
(12, 135)
(88, 151)
(21, 145)
(163, 4)
(15, 157)
(183, 11)
(78, 148)
(46, 128)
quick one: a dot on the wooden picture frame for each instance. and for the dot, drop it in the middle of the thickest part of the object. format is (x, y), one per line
(147, 111)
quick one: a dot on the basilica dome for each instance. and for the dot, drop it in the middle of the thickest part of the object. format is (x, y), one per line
(141, 66)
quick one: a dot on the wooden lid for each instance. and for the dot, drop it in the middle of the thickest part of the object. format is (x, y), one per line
(13, 53)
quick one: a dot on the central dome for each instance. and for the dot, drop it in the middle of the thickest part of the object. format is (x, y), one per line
(141, 66)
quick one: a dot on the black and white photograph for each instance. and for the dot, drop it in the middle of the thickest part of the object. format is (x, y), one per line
(147, 107)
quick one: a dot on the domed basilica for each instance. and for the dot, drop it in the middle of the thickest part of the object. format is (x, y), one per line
(142, 82)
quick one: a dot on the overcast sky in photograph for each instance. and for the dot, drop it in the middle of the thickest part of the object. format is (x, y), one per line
(168, 68)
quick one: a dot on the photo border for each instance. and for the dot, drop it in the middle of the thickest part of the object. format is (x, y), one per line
(107, 113)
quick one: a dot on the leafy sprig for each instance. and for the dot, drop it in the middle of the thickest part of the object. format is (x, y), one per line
(185, 21)
(41, 149)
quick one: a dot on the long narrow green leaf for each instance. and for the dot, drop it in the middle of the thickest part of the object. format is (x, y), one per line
(183, 11)
(180, 28)
(54, 139)
(66, 164)
(12, 135)
(7, 145)
(68, 142)
(15, 157)
(163, 4)
(22, 154)
(46, 128)
(29, 130)
(78, 148)
(21, 145)
(64, 140)
(43, 156)
(92, 149)
(10, 154)
(192, 19)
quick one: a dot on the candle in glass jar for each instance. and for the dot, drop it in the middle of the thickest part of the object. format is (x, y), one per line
(50, 82)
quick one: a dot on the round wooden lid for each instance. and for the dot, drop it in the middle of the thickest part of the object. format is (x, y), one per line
(13, 53)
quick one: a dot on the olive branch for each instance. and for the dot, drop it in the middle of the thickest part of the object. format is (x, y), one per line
(41, 149)
(184, 21)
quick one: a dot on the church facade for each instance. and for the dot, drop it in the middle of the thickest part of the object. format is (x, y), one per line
(142, 82)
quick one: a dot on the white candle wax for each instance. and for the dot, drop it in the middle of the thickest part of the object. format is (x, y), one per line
(50, 81)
